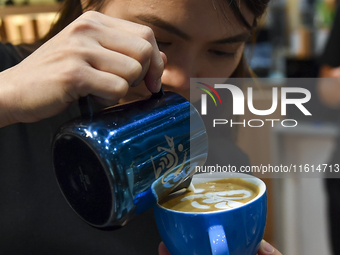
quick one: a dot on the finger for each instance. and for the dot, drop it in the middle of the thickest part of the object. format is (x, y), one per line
(155, 71)
(164, 58)
(154, 74)
(89, 81)
(124, 66)
(128, 44)
(267, 249)
(162, 250)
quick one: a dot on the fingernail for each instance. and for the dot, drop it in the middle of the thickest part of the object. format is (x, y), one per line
(158, 84)
(267, 247)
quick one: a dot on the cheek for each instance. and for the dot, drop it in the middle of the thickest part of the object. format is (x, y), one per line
(236, 63)
(221, 69)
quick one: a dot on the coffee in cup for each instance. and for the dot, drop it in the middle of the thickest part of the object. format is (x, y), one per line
(222, 194)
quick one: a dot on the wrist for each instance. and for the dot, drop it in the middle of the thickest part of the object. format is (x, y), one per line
(6, 100)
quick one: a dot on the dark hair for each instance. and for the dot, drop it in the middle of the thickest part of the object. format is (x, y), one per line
(72, 9)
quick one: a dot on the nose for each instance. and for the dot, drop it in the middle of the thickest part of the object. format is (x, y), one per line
(177, 73)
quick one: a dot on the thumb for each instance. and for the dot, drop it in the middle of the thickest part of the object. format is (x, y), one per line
(164, 57)
(267, 249)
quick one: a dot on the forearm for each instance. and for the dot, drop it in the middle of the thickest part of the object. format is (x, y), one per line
(6, 93)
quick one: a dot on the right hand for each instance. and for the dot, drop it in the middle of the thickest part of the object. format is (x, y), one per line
(95, 55)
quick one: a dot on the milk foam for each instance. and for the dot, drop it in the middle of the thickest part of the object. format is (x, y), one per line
(219, 199)
(193, 189)
(198, 205)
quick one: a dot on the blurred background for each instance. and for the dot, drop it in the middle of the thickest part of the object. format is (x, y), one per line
(24, 21)
(290, 40)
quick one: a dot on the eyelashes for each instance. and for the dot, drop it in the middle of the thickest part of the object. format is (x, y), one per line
(162, 44)
(223, 54)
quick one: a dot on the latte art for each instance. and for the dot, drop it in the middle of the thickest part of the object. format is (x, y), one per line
(216, 195)
(221, 200)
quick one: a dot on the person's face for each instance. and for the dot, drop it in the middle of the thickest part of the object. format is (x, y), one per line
(198, 40)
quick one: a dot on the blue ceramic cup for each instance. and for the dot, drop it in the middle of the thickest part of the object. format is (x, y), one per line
(236, 231)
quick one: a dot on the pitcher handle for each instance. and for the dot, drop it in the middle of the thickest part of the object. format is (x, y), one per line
(85, 107)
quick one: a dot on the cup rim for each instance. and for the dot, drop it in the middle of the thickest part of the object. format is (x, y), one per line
(216, 176)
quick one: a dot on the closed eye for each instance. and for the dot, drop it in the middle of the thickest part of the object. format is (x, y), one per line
(222, 53)
(162, 44)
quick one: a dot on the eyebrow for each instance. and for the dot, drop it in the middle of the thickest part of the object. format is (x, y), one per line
(155, 21)
(164, 25)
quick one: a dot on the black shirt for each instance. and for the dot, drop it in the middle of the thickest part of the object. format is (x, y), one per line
(9, 56)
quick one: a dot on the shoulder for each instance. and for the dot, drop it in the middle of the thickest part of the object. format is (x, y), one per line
(8, 56)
